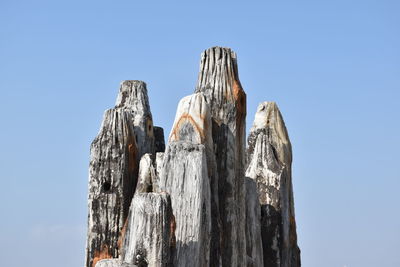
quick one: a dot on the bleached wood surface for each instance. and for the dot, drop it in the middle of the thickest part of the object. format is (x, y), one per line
(147, 175)
(158, 162)
(113, 263)
(193, 124)
(184, 176)
(149, 232)
(125, 135)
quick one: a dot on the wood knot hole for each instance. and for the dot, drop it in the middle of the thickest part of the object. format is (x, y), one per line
(106, 187)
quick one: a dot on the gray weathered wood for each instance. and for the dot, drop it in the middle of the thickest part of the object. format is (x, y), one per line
(112, 180)
(254, 249)
(113, 263)
(149, 233)
(219, 82)
(159, 163)
(133, 97)
(126, 134)
(184, 176)
(269, 164)
(147, 175)
(193, 124)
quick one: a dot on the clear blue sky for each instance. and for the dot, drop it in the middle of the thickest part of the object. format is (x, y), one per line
(333, 67)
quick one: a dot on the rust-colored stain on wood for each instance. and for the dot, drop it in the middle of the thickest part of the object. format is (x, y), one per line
(172, 228)
(132, 152)
(186, 118)
(240, 103)
(101, 255)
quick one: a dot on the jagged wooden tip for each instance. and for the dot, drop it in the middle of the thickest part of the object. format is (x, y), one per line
(147, 180)
(217, 62)
(133, 97)
(184, 176)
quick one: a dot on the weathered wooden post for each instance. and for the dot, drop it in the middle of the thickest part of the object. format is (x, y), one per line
(194, 202)
(269, 165)
(112, 180)
(125, 135)
(184, 176)
(219, 82)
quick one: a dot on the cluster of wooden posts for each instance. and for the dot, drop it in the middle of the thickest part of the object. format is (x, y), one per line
(204, 199)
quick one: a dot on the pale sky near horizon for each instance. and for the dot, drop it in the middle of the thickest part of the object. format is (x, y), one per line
(333, 67)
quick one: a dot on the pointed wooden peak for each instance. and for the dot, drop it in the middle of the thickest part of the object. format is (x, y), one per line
(268, 116)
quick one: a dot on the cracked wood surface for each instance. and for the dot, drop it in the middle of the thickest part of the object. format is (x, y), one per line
(133, 97)
(148, 237)
(184, 176)
(112, 180)
(125, 135)
(193, 124)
